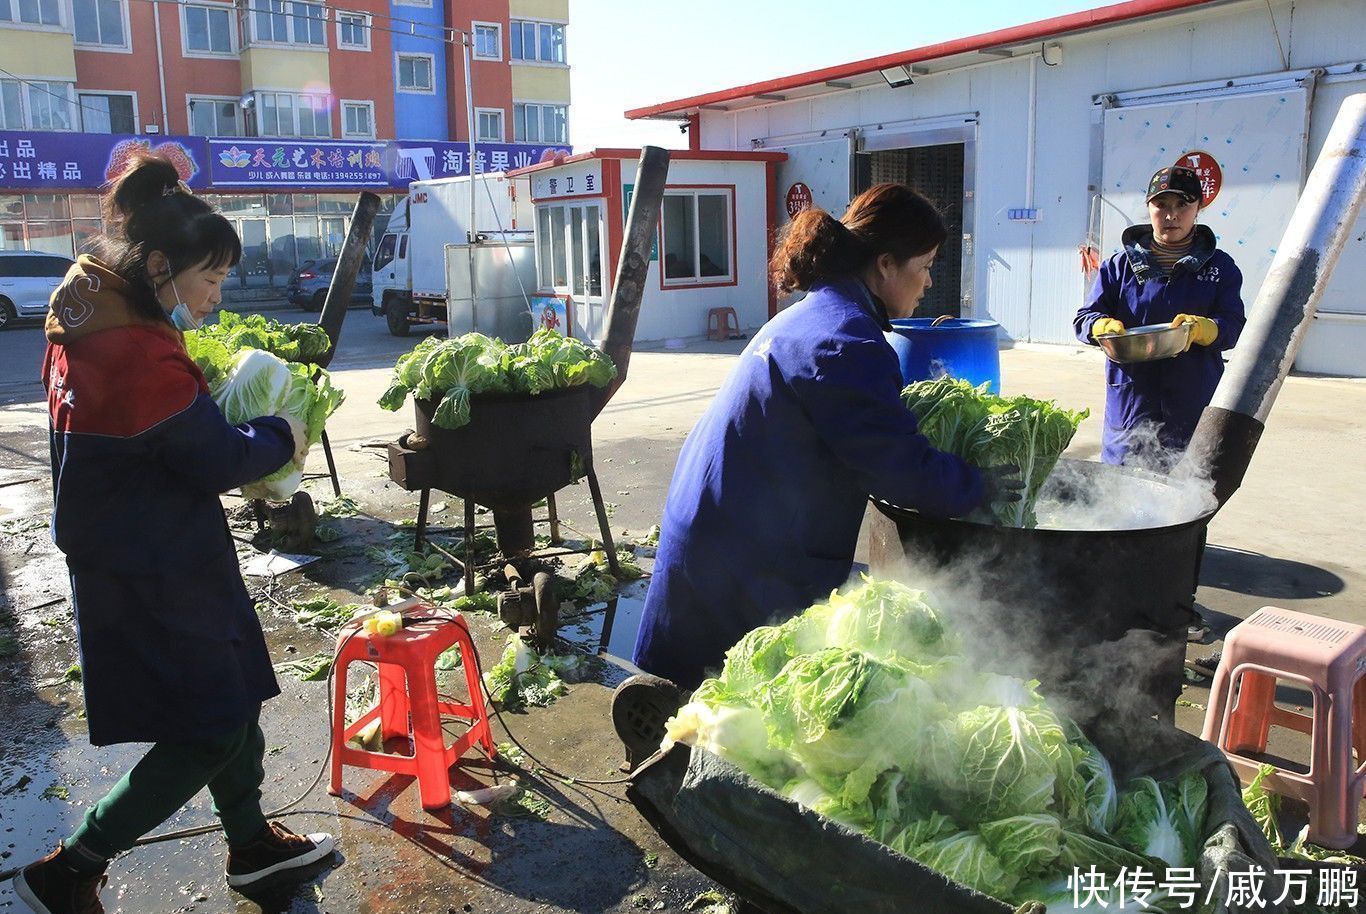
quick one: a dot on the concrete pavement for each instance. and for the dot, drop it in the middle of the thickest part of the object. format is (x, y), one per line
(1290, 537)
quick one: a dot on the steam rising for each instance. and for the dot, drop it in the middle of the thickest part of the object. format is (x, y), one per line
(1102, 685)
(1100, 663)
(1152, 489)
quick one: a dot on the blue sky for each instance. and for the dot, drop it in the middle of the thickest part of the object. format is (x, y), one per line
(631, 53)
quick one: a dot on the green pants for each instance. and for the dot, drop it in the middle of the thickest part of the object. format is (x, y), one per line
(167, 778)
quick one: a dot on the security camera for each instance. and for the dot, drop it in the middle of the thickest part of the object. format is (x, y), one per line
(683, 127)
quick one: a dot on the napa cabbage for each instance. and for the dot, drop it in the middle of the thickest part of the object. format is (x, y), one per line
(257, 384)
(966, 859)
(1162, 820)
(304, 343)
(452, 371)
(990, 430)
(864, 710)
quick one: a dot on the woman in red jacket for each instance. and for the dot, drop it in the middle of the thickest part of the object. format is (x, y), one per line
(171, 650)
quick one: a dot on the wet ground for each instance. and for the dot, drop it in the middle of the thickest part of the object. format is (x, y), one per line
(562, 846)
(1290, 538)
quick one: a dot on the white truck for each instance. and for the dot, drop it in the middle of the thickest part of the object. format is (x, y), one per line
(410, 269)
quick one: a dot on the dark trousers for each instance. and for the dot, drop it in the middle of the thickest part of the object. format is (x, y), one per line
(167, 778)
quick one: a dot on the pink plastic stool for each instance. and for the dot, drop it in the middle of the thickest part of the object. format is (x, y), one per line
(722, 324)
(1327, 657)
(408, 699)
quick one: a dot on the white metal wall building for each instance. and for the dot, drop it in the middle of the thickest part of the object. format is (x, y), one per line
(1067, 118)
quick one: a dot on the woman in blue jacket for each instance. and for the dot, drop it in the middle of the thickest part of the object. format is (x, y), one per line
(763, 513)
(1170, 272)
(171, 649)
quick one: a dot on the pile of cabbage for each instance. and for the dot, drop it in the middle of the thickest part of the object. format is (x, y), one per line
(863, 709)
(452, 370)
(233, 333)
(249, 383)
(989, 430)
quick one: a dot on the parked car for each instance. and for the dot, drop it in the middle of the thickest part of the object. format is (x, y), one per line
(307, 288)
(27, 279)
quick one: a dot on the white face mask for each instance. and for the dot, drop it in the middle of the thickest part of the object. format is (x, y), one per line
(180, 314)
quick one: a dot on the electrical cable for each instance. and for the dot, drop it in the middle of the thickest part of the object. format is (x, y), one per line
(439, 615)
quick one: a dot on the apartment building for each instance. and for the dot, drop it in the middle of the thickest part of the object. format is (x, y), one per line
(279, 110)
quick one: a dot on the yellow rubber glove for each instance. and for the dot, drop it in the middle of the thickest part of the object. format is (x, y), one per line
(1204, 331)
(1104, 325)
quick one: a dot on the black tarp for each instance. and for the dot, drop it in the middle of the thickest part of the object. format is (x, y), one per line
(785, 859)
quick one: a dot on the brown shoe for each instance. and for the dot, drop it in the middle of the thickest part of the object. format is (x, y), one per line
(274, 850)
(52, 886)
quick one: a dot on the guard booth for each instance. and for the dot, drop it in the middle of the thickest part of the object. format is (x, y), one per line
(715, 233)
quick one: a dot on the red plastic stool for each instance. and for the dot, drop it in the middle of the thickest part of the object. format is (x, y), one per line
(1329, 658)
(410, 655)
(722, 324)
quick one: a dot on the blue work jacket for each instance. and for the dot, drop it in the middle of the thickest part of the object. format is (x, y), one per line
(763, 513)
(171, 648)
(1160, 402)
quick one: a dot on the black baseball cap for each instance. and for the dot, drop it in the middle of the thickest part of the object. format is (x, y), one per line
(1176, 179)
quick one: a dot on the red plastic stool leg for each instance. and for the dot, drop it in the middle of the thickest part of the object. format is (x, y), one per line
(480, 726)
(1250, 722)
(393, 701)
(429, 743)
(338, 724)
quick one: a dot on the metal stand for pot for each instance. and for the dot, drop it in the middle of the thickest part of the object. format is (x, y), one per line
(599, 508)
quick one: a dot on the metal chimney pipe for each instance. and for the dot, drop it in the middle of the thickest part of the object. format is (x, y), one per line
(624, 309)
(1232, 424)
(344, 276)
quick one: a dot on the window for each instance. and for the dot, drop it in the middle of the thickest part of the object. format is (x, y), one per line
(533, 123)
(281, 22)
(310, 24)
(384, 255)
(99, 22)
(488, 41)
(490, 125)
(353, 31)
(33, 12)
(11, 104)
(697, 237)
(37, 105)
(208, 29)
(542, 42)
(569, 248)
(358, 119)
(415, 72)
(101, 113)
(290, 114)
(215, 117)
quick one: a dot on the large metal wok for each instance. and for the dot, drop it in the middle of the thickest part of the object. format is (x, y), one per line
(1098, 616)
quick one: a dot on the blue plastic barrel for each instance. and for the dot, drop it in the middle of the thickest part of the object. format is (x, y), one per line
(956, 347)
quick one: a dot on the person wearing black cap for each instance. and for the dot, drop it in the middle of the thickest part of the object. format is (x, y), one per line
(1170, 272)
